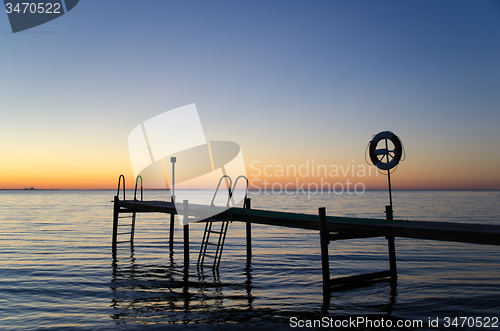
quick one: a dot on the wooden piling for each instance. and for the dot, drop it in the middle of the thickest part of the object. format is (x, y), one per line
(132, 229)
(392, 247)
(324, 241)
(186, 234)
(247, 205)
(388, 212)
(171, 233)
(116, 211)
(392, 259)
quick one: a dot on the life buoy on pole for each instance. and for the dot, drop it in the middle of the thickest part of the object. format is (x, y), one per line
(397, 152)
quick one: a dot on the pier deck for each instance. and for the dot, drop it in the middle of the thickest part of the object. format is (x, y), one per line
(342, 226)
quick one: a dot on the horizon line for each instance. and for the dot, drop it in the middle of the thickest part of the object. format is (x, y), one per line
(250, 190)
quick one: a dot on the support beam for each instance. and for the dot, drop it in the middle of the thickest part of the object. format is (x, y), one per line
(116, 211)
(391, 245)
(247, 205)
(325, 263)
(358, 279)
(171, 232)
(392, 259)
(132, 229)
(344, 236)
(186, 234)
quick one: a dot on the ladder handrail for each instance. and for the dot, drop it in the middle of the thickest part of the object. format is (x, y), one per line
(228, 217)
(118, 190)
(135, 192)
(246, 190)
(217, 190)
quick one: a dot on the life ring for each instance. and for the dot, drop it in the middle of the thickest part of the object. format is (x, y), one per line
(374, 153)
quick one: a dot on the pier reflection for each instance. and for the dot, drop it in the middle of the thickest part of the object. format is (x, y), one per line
(170, 294)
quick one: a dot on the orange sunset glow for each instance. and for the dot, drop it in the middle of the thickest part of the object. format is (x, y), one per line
(313, 91)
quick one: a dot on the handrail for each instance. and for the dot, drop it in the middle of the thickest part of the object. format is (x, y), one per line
(118, 190)
(217, 189)
(135, 192)
(246, 190)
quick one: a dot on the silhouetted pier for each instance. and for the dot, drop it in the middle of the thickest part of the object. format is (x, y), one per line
(329, 227)
(340, 227)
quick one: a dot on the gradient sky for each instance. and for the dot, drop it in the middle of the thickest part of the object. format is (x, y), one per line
(289, 81)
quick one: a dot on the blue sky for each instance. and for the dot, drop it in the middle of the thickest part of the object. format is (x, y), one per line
(287, 80)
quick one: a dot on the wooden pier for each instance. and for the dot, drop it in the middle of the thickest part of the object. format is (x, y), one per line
(329, 228)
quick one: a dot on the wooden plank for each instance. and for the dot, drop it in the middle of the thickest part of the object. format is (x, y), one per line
(344, 236)
(195, 210)
(149, 206)
(443, 231)
(356, 279)
(356, 227)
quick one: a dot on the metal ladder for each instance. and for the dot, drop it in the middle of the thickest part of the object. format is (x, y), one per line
(216, 252)
(132, 215)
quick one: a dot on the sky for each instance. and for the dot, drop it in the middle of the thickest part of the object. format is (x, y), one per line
(294, 83)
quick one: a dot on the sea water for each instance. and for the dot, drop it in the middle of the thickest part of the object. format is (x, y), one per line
(57, 270)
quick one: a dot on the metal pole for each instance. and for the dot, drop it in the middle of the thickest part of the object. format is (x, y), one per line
(388, 209)
(390, 189)
(389, 174)
(173, 159)
(389, 215)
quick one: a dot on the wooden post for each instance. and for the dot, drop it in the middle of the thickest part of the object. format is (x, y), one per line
(173, 159)
(247, 205)
(392, 248)
(132, 229)
(186, 234)
(325, 263)
(392, 259)
(171, 233)
(388, 212)
(116, 211)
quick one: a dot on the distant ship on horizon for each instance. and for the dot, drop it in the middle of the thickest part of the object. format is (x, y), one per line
(40, 189)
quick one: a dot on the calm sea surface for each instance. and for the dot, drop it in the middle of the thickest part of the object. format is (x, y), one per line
(57, 270)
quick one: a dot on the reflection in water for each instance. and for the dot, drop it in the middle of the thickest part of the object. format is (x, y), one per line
(169, 294)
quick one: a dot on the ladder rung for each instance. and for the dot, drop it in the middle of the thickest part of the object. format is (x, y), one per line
(124, 224)
(208, 255)
(124, 233)
(209, 243)
(124, 241)
(218, 232)
(126, 216)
